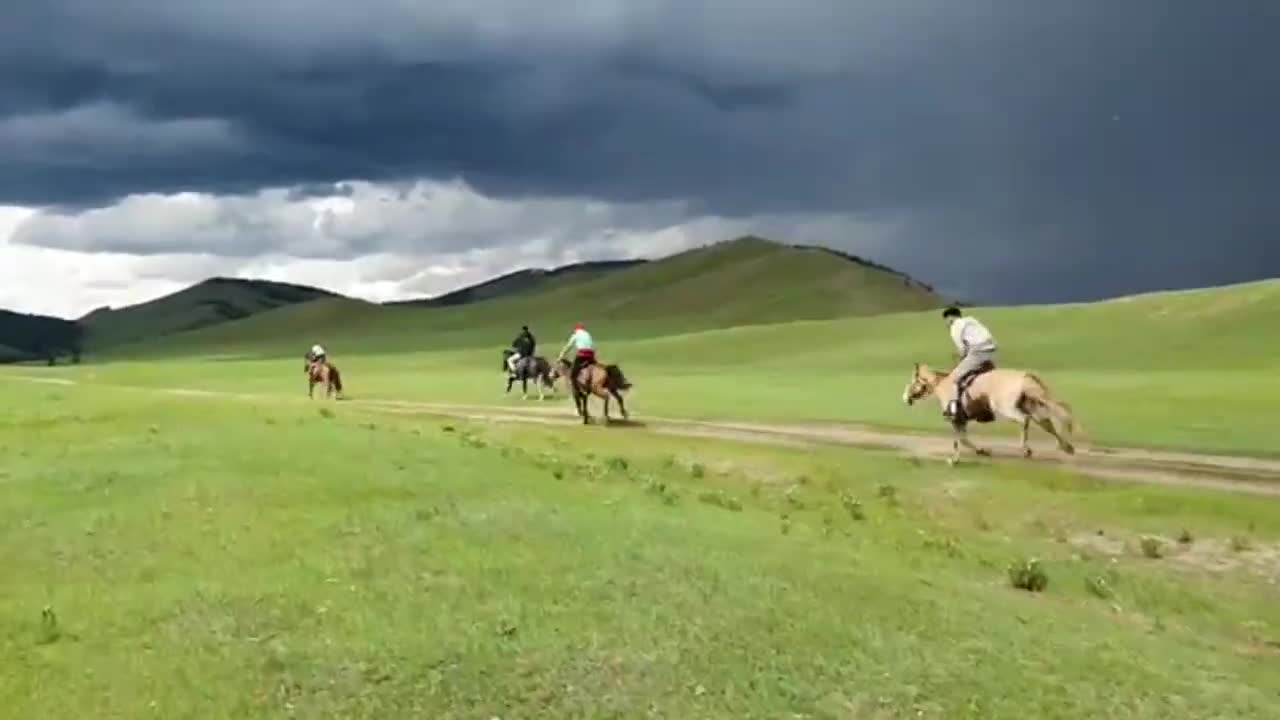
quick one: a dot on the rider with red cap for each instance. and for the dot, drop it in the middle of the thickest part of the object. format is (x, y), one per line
(586, 352)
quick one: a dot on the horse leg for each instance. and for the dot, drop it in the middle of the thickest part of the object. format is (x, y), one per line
(1063, 444)
(622, 405)
(1026, 427)
(524, 387)
(511, 380)
(961, 438)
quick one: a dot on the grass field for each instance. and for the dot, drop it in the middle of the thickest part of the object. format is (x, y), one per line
(266, 556)
(1190, 370)
(206, 557)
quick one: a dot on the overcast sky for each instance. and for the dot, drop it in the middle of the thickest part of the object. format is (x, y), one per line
(1006, 151)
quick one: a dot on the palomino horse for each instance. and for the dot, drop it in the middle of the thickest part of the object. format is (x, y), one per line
(599, 380)
(534, 368)
(322, 372)
(1015, 395)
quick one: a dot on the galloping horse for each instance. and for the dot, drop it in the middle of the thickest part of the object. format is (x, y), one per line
(322, 372)
(534, 368)
(1015, 395)
(599, 380)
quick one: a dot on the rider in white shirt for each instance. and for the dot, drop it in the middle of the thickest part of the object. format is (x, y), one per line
(976, 346)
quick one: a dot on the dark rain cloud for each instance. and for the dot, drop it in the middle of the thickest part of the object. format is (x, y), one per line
(1029, 150)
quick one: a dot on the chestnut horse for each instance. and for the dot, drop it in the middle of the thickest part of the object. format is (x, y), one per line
(325, 373)
(602, 381)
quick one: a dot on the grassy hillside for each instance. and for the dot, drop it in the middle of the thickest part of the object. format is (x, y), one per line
(211, 302)
(744, 282)
(522, 281)
(212, 558)
(25, 337)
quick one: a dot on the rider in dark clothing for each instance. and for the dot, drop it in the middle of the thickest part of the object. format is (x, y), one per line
(524, 346)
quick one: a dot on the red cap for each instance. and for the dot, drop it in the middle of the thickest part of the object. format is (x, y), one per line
(578, 326)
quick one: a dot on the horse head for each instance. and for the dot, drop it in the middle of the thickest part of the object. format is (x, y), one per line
(923, 382)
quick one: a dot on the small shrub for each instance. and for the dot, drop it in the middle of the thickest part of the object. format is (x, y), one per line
(617, 464)
(721, 499)
(785, 527)
(1151, 547)
(1184, 538)
(853, 507)
(1098, 587)
(1028, 575)
(662, 491)
(888, 493)
(49, 630)
(947, 545)
(698, 471)
(1240, 543)
(326, 413)
(793, 499)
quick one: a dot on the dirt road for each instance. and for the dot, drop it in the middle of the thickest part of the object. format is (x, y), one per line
(1217, 472)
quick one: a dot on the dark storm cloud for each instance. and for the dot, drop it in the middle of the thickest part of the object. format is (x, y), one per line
(1031, 150)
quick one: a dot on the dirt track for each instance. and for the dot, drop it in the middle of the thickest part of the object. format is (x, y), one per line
(1218, 472)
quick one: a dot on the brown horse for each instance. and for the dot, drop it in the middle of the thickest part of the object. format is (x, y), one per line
(1015, 395)
(323, 372)
(602, 381)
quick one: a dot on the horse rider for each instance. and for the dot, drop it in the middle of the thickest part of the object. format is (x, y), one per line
(580, 341)
(317, 354)
(977, 348)
(523, 346)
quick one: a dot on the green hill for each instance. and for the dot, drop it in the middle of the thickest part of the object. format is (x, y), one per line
(748, 281)
(522, 281)
(214, 301)
(25, 337)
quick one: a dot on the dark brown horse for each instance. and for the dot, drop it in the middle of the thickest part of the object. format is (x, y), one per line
(322, 372)
(602, 381)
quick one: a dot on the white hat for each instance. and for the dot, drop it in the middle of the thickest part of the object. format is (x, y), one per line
(317, 350)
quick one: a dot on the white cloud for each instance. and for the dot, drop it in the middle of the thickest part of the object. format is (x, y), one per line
(364, 240)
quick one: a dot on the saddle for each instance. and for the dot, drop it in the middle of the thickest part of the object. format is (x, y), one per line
(968, 408)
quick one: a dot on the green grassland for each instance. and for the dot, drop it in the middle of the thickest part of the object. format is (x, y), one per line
(1191, 370)
(211, 557)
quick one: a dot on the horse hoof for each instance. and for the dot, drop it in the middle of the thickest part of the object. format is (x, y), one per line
(983, 452)
(1069, 449)
(1026, 452)
(952, 462)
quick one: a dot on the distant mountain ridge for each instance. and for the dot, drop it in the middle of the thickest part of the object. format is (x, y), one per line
(742, 281)
(210, 302)
(520, 281)
(747, 281)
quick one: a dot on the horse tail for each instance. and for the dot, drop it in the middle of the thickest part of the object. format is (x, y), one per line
(616, 379)
(1038, 391)
(337, 378)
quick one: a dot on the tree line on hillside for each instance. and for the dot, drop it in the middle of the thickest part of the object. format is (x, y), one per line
(24, 338)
